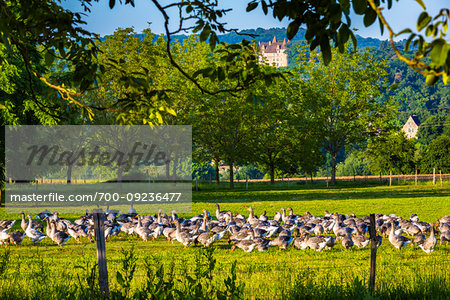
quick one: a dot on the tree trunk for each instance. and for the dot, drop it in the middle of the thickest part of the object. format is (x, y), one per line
(333, 168)
(231, 176)
(168, 171)
(119, 176)
(216, 165)
(174, 170)
(69, 174)
(272, 173)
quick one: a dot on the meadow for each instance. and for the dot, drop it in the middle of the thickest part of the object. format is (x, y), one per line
(158, 269)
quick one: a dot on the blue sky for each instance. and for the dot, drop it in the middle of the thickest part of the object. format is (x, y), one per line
(104, 21)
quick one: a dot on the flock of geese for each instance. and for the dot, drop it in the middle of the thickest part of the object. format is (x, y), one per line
(286, 229)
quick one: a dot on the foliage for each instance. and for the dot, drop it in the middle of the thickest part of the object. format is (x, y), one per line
(437, 155)
(432, 128)
(353, 166)
(393, 152)
(348, 95)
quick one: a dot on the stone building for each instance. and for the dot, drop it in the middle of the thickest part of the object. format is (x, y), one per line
(411, 127)
(274, 52)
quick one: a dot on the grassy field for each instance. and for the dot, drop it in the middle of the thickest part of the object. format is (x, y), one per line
(47, 271)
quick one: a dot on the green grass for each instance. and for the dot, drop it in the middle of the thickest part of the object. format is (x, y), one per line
(409, 273)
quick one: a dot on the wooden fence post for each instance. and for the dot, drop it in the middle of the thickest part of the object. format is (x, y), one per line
(390, 178)
(246, 182)
(373, 252)
(196, 184)
(434, 176)
(415, 178)
(101, 251)
(440, 176)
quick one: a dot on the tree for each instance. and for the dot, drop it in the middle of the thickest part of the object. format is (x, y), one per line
(393, 152)
(353, 166)
(26, 24)
(348, 95)
(432, 128)
(437, 155)
(274, 135)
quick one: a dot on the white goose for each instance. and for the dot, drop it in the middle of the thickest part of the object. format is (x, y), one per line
(429, 244)
(398, 241)
(34, 235)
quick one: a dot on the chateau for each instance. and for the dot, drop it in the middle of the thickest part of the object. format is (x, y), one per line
(274, 53)
(411, 127)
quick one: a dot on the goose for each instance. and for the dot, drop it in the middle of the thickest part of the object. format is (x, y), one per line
(246, 245)
(339, 231)
(42, 215)
(241, 235)
(429, 244)
(263, 217)
(76, 232)
(419, 239)
(131, 211)
(4, 237)
(34, 235)
(183, 237)
(6, 225)
(220, 214)
(277, 217)
(445, 219)
(445, 237)
(16, 237)
(59, 237)
(361, 241)
(318, 230)
(282, 241)
(300, 242)
(398, 241)
(414, 218)
(317, 243)
(347, 242)
(208, 238)
(141, 231)
(114, 212)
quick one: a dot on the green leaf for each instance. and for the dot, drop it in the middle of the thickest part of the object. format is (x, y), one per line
(234, 46)
(431, 79)
(205, 33)
(439, 52)
(112, 3)
(326, 50)
(264, 7)
(189, 9)
(354, 41)
(408, 42)
(381, 26)
(369, 17)
(389, 4)
(423, 21)
(251, 6)
(407, 30)
(292, 30)
(2, 106)
(49, 57)
(359, 6)
(421, 4)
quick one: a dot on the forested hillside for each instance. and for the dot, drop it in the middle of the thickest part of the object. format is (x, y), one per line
(408, 87)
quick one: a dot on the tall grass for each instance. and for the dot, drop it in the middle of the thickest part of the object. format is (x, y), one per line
(201, 277)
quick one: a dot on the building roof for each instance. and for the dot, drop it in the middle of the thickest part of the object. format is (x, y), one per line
(272, 46)
(415, 119)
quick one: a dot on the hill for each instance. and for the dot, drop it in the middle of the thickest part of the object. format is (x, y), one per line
(407, 87)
